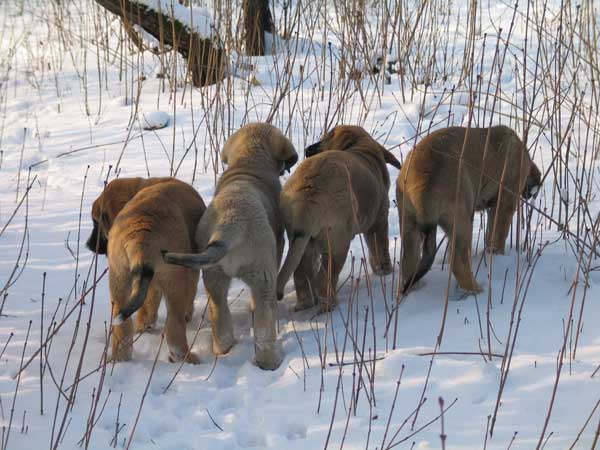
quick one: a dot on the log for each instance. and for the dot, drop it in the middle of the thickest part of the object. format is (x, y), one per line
(204, 55)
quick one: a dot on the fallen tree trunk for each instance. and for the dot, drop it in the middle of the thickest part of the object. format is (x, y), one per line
(205, 57)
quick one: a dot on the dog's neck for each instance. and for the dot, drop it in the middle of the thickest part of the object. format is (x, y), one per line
(269, 178)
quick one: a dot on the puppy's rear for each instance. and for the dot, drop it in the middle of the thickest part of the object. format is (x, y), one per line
(339, 191)
(159, 216)
(241, 236)
(448, 176)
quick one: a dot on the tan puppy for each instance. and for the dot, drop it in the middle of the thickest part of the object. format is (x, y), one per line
(162, 215)
(430, 192)
(110, 202)
(242, 236)
(339, 192)
(104, 211)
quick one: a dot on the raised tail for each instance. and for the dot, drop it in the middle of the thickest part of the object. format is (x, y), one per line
(427, 258)
(142, 276)
(295, 253)
(212, 254)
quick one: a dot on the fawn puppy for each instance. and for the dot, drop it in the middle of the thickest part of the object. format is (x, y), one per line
(134, 219)
(339, 191)
(241, 236)
(448, 176)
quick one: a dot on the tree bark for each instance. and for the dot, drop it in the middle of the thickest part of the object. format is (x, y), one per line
(257, 21)
(205, 58)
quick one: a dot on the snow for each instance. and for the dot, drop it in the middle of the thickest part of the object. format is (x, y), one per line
(155, 120)
(194, 18)
(76, 134)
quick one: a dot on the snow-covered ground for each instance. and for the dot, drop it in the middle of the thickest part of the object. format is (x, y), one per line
(350, 379)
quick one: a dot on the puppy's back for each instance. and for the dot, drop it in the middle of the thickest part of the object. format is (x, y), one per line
(163, 215)
(245, 219)
(318, 192)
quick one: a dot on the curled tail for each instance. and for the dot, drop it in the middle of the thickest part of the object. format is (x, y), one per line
(212, 254)
(295, 253)
(427, 258)
(142, 276)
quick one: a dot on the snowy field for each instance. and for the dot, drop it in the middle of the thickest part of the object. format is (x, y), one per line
(517, 366)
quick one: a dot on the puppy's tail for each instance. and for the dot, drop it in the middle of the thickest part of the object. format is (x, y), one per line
(212, 254)
(427, 257)
(297, 247)
(142, 276)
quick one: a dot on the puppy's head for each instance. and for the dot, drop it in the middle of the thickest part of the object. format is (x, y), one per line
(102, 220)
(260, 142)
(345, 137)
(110, 202)
(533, 182)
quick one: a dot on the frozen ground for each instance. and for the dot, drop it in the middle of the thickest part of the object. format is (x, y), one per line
(351, 379)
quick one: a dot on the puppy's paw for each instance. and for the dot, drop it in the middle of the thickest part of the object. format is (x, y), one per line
(120, 356)
(122, 349)
(383, 269)
(222, 345)
(143, 323)
(494, 250)
(327, 305)
(306, 303)
(473, 288)
(268, 357)
(190, 358)
(143, 327)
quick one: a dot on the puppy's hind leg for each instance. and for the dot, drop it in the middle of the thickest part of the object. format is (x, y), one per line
(306, 282)
(178, 294)
(122, 333)
(411, 246)
(216, 283)
(335, 252)
(378, 243)
(498, 226)
(145, 317)
(193, 276)
(461, 223)
(263, 286)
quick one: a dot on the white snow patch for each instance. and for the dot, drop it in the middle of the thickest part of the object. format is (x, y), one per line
(195, 18)
(155, 120)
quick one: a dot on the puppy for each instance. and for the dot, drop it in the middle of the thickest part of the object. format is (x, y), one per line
(163, 214)
(339, 191)
(434, 188)
(110, 202)
(242, 236)
(104, 211)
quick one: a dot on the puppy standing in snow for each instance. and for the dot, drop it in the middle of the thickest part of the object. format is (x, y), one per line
(104, 212)
(242, 236)
(133, 220)
(434, 187)
(339, 192)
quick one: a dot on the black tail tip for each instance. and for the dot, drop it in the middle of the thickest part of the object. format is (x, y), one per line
(406, 286)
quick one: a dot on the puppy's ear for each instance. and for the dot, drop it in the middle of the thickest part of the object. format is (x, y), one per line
(105, 223)
(533, 182)
(284, 150)
(312, 149)
(391, 159)
(234, 141)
